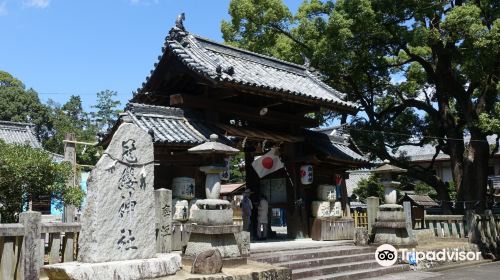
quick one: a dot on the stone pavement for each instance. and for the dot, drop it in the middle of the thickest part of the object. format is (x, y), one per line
(488, 271)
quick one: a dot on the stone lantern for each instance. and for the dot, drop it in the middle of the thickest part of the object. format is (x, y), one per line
(388, 178)
(390, 226)
(212, 222)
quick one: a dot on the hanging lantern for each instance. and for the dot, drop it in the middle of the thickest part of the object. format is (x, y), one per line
(306, 174)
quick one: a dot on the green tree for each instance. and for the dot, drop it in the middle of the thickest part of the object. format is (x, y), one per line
(369, 187)
(26, 172)
(19, 104)
(71, 118)
(416, 68)
(237, 169)
(106, 110)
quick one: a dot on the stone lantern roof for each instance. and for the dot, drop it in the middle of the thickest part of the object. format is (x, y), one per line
(388, 168)
(213, 147)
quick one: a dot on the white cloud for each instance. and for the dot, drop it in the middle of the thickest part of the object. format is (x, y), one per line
(143, 2)
(42, 4)
(3, 8)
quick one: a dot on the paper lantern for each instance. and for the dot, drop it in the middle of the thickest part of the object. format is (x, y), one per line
(306, 174)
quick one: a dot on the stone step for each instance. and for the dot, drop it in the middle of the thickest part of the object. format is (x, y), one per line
(298, 264)
(333, 268)
(271, 247)
(360, 274)
(287, 256)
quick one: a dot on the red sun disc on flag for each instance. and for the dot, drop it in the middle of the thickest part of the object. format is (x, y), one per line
(267, 162)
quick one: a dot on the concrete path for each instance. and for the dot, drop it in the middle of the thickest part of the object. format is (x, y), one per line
(488, 271)
(278, 245)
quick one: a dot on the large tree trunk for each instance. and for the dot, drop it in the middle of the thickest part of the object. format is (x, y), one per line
(475, 177)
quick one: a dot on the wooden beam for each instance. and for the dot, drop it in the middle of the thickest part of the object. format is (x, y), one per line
(189, 101)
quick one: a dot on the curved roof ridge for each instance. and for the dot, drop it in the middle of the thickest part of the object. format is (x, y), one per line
(302, 67)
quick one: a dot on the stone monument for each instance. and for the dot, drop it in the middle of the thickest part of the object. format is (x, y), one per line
(390, 225)
(118, 240)
(212, 222)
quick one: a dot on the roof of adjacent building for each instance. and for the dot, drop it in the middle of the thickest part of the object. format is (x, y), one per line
(355, 176)
(19, 133)
(223, 64)
(427, 151)
(168, 125)
(232, 188)
(420, 200)
(336, 143)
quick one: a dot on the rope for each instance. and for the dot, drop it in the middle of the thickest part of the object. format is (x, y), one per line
(128, 163)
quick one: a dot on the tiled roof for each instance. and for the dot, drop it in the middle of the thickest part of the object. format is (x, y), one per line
(168, 125)
(421, 200)
(18, 133)
(334, 149)
(225, 64)
(427, 151)
(355, 176)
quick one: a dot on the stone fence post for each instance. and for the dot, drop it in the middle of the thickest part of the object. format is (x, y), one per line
(408, 221)
(31, 261)
(372, 210)
(163, 212)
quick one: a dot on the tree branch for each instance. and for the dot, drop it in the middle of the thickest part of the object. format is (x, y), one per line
(278, 28)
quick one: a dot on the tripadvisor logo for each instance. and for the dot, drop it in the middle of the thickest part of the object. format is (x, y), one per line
(386, 255)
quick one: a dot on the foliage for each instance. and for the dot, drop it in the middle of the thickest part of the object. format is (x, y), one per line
(106, 110)
(416, 68)
(36, 174)
(237, 169)
(71, 118)
(19, 104)
(369, 187)
(424, 189)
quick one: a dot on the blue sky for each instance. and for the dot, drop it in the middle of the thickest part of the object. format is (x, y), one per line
(64, 47)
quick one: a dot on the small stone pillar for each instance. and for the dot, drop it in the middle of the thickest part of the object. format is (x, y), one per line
(372, 204)
(163, 212)
(30, 251)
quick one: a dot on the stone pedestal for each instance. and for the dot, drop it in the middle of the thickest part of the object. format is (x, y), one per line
(160, 266)
(390, 226)
(204, 238)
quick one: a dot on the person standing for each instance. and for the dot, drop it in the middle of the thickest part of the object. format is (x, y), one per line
(246, 209)
(262, 218)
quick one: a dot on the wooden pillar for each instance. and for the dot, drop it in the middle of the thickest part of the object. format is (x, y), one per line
(30, 251)
(163, 213)
(344, 200)
(252, 183)
(70, 155)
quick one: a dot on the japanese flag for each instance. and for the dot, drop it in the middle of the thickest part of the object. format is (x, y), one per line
(267, 163)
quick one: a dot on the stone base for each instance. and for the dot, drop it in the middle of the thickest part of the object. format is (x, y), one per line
(227, 262)
(200, 242)
(162, 265)
(393, 236)
(390, 207)
(212, 217)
